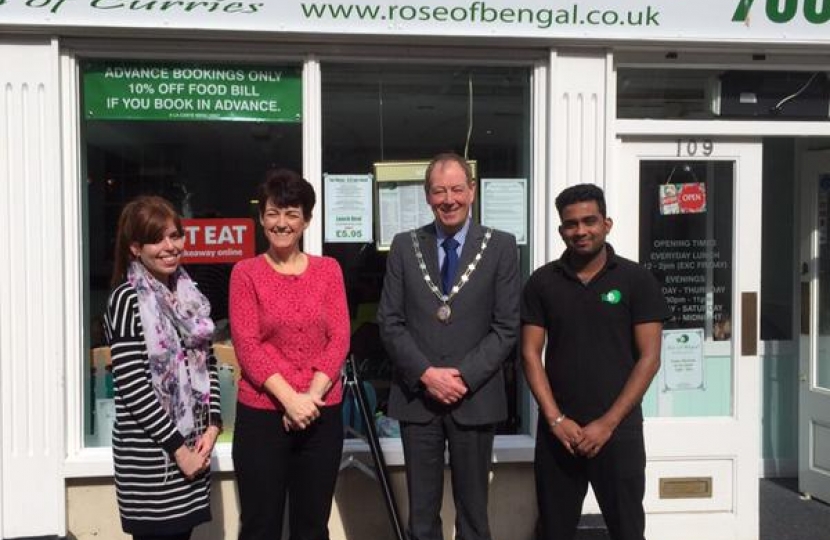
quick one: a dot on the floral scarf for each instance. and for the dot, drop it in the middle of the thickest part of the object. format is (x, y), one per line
(178, 331)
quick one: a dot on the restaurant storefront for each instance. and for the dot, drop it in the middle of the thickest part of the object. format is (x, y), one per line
(707, 125)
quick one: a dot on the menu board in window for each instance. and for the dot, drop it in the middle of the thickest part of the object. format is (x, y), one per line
(401, 199)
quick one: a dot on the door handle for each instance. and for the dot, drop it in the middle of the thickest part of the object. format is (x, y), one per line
(749, 323)
(805, 309)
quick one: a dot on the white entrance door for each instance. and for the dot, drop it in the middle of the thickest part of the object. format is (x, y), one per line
(690, 210)
(814, 391)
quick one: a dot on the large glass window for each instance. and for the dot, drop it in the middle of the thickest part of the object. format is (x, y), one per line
(377, 115)
(199, 135)
(694, 94)
(206, 144)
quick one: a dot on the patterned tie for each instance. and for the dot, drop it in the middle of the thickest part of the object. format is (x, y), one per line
(450, 246)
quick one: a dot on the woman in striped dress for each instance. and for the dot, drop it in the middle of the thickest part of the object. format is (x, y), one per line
(166, 385)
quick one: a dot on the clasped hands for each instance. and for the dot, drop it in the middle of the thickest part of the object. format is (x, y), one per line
(444, 385)
(195, 460)
(584, 441)
(301, 410)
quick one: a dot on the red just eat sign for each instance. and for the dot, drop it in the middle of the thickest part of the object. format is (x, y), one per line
(691, 198)
(209, 241)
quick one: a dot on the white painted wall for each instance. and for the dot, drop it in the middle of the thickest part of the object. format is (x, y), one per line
(31, 293)
(359, 512)
(578, 115)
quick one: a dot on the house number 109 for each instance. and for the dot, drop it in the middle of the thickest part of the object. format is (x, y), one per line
(695, 147)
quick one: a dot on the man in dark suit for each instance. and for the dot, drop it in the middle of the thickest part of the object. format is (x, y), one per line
(449, 317)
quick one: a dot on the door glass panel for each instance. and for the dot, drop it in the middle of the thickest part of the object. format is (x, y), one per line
(686, 239)
(822, 367)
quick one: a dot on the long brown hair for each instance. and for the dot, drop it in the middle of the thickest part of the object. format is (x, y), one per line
(142, 221)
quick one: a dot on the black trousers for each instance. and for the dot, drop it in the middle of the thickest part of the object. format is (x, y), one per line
(617, 475)
(178, 536)
(272, 464)
(471, 449)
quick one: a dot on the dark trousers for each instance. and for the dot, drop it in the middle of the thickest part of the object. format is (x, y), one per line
(617, 475)
(177, 536)
(271, 464)
(471, 449)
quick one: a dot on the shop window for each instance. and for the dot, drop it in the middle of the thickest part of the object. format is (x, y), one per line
(206, 143)
(695, 94)
(666, 93)
(383, 123)
(201, 136)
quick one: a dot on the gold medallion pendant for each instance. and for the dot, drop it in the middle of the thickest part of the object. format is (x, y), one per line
(444, 312)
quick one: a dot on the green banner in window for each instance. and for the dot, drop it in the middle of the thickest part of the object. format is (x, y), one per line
(181, 92)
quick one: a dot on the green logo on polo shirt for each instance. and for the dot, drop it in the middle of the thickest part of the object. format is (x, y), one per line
(612, 297)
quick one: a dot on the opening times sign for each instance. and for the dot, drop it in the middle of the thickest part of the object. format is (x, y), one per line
(695, 273)
(686, 240)
(177, 91)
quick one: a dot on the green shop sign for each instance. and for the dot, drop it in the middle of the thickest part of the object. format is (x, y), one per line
(176, 91)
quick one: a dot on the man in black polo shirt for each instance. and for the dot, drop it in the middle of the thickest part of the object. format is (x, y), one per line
(603, 318)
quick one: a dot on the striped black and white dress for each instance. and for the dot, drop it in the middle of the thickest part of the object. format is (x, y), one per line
(153, 495)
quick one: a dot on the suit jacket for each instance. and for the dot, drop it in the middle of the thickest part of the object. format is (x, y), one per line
(479, 337)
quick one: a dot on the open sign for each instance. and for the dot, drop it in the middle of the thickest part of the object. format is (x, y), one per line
(682, 198)
(210, 241)
(692, 198)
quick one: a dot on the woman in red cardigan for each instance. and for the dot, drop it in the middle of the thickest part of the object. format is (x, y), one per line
(290, 328)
